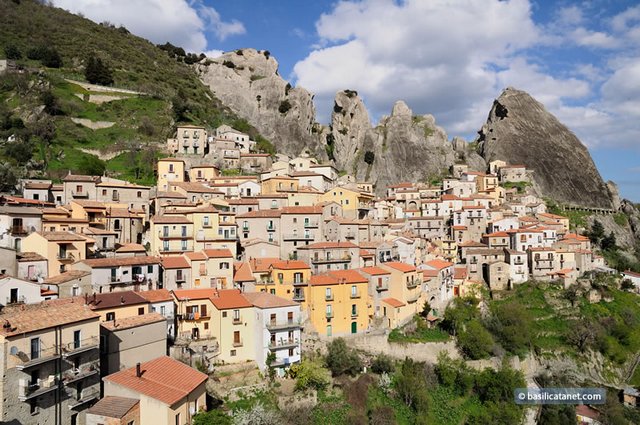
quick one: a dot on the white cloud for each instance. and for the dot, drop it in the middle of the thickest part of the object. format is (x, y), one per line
(180, 22)
(452, 59)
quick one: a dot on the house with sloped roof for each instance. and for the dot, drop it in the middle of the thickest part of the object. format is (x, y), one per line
(169, 391)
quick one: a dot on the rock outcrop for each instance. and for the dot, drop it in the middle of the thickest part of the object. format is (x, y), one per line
(247, 81)
(520, 130)
(402, 147)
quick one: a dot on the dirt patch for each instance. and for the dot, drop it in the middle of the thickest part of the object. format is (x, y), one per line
(93, 125)
(356, 392)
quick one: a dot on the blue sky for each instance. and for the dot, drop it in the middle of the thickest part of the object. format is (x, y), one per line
(581, 59)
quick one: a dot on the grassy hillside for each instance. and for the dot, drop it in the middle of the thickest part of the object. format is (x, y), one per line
(171, 92)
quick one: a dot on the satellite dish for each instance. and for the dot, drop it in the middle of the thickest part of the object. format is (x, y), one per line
(13, 351)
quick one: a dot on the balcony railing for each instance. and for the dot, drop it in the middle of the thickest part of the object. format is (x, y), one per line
(237, 343)
(175, 235)
(45, 355)
(331, 260)
(87, 395)
(271, 228)
(349, 235)
(296, 236)
(354, 313)
(284, 343)
(382, 286)
(17, 300)
(412, 283)
(84, 372)
(411, 298)
(300, 282)
(18, 230)
(355, 294)
(76, 347)
(298, 296)
(29, 390)
(237, 320)
(279, 325)
(329, 314)
(328, 297)
(77, 194)
(309, 224)
(65, 257)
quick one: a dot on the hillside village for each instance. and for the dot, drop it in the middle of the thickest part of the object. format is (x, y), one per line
(110, 290)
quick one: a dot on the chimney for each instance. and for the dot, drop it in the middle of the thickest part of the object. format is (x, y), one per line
(138, 371)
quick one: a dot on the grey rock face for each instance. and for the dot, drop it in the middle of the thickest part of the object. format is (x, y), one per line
(247, 81)
(520, 130)
(349, 124)
(405, 147)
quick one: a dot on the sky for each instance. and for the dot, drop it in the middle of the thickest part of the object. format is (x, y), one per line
(448, 58)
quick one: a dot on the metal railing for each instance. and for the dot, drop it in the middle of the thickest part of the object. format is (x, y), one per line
(80, 345)
(18, 230)
(21, 299)
(43, 355)
(284, 343)
(286, 324)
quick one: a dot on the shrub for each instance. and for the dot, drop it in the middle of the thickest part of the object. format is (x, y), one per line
(12, 52)
(212, 417)
(369, 157)
(91, 165)
(382, 364)
(96, 72)
(266, 54)
(411, 385)
(48, 56)
(284, 107)
(21, 152)
(341, 359)
(475, 341)
(229, 64)
(309, 374)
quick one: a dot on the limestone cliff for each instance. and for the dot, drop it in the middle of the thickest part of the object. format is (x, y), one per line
(247, 81)
(520, 130)
(402, 147)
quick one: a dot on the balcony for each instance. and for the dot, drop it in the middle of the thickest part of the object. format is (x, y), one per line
(45, 355)
(18, 231)
(191, 316)
(412, 283)
(287, 324)
(76, 375)
(329, 314)
(185, 144)
(310, 224)
(65, 257)
(284, 344)
(295, 236)
(298, 282)
(331, 260)
(411, 298)
(237, 320)
(328, 297)
(80, 194)
(518, 263)
(28, 391)
(237, 343)
(382, 287)
(246, 228)
(87, 395)
(354, 313)
(175, 235)
(298, 296)
(266, 282)
(81, 346)
(354, 295)
(349, 235)
(18, 300)
(271, 228)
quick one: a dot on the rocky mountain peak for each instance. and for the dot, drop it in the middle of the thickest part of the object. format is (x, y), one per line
(519, 130)
(349, 124)
(400, 109)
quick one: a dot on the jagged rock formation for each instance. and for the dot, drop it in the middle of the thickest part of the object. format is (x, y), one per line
(247, 81)
(349, 125)
(520, 130)
(405, 147)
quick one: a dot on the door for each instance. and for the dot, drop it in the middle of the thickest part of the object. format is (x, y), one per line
(195, 333)
(354, 327)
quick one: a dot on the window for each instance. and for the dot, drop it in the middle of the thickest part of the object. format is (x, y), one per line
(236, 315)
(354, 290)
(139, 194)
(76, 339)
(178, 419)
(140, 311)
(329, 310)
(116, 224)
(232, 353)
(183, 244)
(205, 220)
(165, 245)
(35, 348)
(327, 293)
(171, 168)
(104, 192)
(111, 316)
(224, 314)
(224, 266)
(75, 291)
(79, 188)
(236, 337)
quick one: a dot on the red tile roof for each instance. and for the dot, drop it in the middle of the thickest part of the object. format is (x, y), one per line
(121, 261)
(218, 253)
(403, 267)
(266, 300)
(163, 379)
(196, 256)
(26, 318)
(348, 276)
(438, 264)
(325, 245)
(178, 262)
(374, 271)
(115, 299)
(242, 272)
(156, 295)
(393, 302)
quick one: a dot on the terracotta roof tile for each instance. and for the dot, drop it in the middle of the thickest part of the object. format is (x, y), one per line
(163, 379)
(218, 253)
(374, 271)
(403, 267)
(156, 295)
(27, 318)
(242, 272)
(393, 302)
(438, 264)
(133, 321)
(120, 261)
(113, 407)
(266, 300)
(115, 299)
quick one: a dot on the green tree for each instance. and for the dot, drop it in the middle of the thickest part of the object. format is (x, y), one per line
(571, 294)
(342, 360)
(458, 313)
(11, 51)
(411, 385)
(382, 364)
(475, 341)
(97, 72)
(212, 417)
(271, 371)
(510, 322)
(369, 157)
(8, 178)
(609, 242)
(597, 232)
(310, 374)
(90, 165)
(498, 385)
(426, 309)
